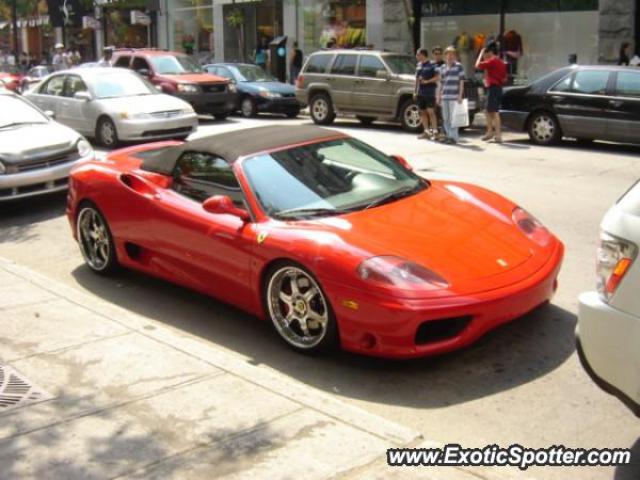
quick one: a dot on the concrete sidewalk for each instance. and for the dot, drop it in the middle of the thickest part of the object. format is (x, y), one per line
(115, 394)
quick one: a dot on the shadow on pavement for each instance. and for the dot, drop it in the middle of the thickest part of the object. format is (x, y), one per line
(515, 354)
(18, 218)
(631, 471)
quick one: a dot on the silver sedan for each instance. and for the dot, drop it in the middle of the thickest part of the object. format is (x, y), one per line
(36, 153)
(113, 104)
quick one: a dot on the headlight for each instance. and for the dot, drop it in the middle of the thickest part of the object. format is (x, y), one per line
(232, 87)
(614, 258)
(531, 226)
(391, 271)
(188, 88)
(268, 94)
(84, 148)
(187, 111)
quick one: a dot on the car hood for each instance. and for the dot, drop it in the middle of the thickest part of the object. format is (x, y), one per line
(447, 228)
(143, 104)
(28, 142)
(195, 78)
(276, 87)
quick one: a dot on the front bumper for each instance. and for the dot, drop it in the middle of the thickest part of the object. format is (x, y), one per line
(607, 344)
(390, 327)
(514, 120)
(278, 105)
(17, 186)
(157, 128)
(213, 103)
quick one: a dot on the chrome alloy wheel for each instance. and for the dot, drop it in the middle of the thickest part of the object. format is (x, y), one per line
(412, 117)
(93, 238)
(247, 107)
(544, 128)
(107, 133)
(297, 307)
(320, 109)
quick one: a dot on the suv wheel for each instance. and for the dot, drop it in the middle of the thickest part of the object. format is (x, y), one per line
(410, 116)
(321, 109)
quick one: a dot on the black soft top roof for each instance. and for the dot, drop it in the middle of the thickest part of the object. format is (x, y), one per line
(233, 145)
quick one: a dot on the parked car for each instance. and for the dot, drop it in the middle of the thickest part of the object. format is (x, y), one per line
(319, 233)
(180, 75)
(36, 153)
(113, 105)
(34, 76)
(258, 91)
(608, 332)
(583, 102)
(12, 78)
(368, 84)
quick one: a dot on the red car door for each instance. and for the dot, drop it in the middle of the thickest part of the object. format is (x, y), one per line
(210, 252)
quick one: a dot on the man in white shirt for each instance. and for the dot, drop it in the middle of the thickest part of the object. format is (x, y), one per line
(107, 55)
(59, 60)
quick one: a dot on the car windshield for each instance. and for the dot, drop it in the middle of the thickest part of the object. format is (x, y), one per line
(175, 65)
(14, 111)
(327, 178)
(124, 84)
(252, 73)
(401, 64)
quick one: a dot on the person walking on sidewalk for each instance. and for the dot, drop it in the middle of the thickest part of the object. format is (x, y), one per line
(495, 76)
(451, 92)
(295, 62)
(427, 78)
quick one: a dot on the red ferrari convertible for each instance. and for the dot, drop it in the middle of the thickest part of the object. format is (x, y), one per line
(331, 240)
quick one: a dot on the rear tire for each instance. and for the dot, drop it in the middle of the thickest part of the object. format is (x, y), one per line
(544, 128)
(410, 116)
(106, 133)
(95, 240)
(321, 109)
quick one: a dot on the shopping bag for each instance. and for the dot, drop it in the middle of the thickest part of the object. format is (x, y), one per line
(460, 114)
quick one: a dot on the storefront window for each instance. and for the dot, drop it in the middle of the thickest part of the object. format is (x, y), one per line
(119, 29)
(341, 21)
(192, 28)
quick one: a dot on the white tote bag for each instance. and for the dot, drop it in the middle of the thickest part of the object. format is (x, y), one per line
(460, 114)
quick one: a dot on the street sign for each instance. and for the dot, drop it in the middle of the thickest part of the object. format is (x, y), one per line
(140, 18)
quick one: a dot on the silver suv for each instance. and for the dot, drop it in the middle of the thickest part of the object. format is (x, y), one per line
(368, 84)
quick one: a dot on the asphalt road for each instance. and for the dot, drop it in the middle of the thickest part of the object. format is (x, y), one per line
(520, 384)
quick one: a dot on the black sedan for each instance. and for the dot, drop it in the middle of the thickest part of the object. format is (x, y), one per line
(582, 102)
(258, 91)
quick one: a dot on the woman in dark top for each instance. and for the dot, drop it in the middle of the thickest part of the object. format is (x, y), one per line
(623, 59)
(295, 64)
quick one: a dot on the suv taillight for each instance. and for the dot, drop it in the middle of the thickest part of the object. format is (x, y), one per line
(300, 81)
(614, 259)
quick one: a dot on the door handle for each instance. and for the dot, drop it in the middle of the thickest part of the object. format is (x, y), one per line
(616, 103)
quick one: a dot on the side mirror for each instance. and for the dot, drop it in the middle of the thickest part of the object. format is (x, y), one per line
(143, 71)
(220, 204)
(402, 161)
(86, 96)
(383, 74)
(51, 114)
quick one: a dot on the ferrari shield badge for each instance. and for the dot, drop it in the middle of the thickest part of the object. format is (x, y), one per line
(262, 236)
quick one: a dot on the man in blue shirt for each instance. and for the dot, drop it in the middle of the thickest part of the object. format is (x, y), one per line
(427, 78)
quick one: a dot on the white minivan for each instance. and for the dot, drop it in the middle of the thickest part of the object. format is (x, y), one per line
(608, 332)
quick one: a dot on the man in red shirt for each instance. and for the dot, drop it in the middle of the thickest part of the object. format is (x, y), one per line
(495, 75)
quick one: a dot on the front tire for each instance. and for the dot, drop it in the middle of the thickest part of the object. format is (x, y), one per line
(299, 310)
(248, 107)
(544, 129)
(410, 116)
(321, 109)
(106, 133)
(95, 240)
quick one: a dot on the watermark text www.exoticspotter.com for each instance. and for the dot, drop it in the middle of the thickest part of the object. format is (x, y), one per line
(512, 456)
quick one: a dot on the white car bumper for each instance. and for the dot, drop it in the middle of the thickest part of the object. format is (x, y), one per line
(157, 128)
(608, 341)
(37, 182)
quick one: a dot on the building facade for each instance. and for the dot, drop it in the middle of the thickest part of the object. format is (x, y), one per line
(550, 31)
(226, 30)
